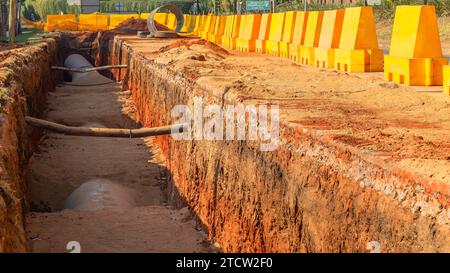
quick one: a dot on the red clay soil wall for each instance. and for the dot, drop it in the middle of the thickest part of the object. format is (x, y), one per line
(310, 195)
(25, 79)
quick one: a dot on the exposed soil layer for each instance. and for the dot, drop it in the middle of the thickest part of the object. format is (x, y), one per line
(19, 97)
(359, 159)
(63, 163)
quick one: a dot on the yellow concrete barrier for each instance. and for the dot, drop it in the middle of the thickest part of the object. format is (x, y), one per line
(249, 33)
(171, 21)
(288, 34)
(160, 18)
(298, 38)
(219, 28)
(415, 55)
(446, 79)
(199, 24)
(93, 22)
(61, 22)
(264, 30)
(275, 33)
(330, 35)
(312, 36)
(209, 26)
(227, 32)
(189, 22)
(358, 47)
(116, 19)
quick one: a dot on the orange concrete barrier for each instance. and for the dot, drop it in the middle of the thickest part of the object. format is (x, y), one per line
(312, 36)
(330, 35)
(219, 28)
(288, 34)
(61, 22)
(275, 33)
(93, 22)
(358, 47)
(249, 33)
(415, 55)
(298, 38)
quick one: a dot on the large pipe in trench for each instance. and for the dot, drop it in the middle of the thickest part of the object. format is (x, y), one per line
(77, 61)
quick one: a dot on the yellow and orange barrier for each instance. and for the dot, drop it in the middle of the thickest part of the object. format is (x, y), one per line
(93, 22)
(288, 34)
(249, 32)
(330, 35)
(358, 46)
(312, 35)
(61, 22)
(298, 38)
(219, 28)
(264, 31)
(415, 56)
(275, 33)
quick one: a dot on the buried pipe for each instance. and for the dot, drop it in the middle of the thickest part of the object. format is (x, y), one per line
(77, 61)
(105, 132)
(89, 69)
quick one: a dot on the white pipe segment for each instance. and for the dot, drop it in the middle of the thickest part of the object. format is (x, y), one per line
(77, 61)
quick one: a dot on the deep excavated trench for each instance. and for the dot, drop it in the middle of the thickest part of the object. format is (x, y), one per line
(105, 193)
(315, 193)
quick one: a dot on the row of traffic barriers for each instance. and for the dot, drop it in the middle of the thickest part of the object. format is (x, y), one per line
(100, 21)
(343, 39)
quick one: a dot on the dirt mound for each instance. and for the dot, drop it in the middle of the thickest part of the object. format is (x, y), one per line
(190, 42)
(138, 24)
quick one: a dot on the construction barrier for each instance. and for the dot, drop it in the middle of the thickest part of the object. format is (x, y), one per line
(330, 35)
(298, 38)
(93, 22)
(228, 31)
(61, 22)
(219, 28)
(415, 56)
(312, 36)
(209, 26)
(264, 31)
(171, 21)
(358, 47)
(249, 32)
(275, 33)
(116, 19)
(288, 34)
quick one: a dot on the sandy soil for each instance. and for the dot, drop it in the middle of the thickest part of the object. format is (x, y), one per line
(62, 163)
(403, 124)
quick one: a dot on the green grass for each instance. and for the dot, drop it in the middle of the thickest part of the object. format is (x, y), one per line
(29, 35)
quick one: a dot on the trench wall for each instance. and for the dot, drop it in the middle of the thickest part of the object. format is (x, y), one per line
(310, 195)
(25, 79)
